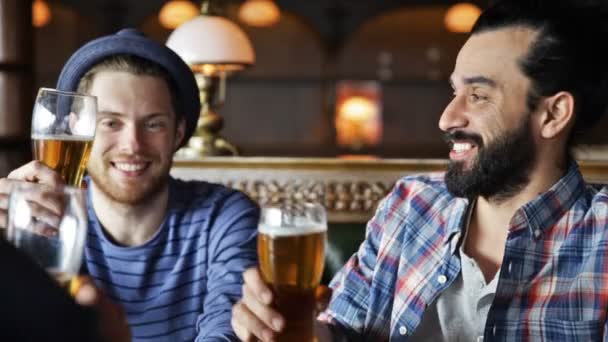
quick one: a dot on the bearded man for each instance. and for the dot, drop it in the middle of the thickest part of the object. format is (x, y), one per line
(510, 244)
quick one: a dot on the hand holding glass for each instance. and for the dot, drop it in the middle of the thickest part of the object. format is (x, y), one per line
(50, 226)
(63, 128)
(291, 250)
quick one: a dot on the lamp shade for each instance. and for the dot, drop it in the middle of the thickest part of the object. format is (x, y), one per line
(210, 39)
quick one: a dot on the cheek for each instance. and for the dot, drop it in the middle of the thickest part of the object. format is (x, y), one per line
(162, 142)
(101, 144)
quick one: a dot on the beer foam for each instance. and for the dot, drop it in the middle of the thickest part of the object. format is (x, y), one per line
(301, 229)
(63, 137)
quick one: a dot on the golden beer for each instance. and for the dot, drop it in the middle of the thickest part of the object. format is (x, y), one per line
(291, 263)
(68, 155)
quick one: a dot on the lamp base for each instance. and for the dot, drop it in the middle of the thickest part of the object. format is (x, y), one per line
(207, 146)
(206, 141)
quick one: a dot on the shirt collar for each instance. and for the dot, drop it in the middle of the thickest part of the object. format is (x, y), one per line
(457, 217)
(545, 210)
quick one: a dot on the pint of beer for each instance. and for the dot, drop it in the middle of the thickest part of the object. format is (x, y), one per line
(291, 250)
(55, 242)
(63, 128)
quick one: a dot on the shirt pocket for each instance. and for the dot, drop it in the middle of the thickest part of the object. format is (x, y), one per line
(546, 330)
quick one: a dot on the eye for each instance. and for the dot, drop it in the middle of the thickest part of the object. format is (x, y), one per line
(154, 124)
(477, 97)
(109, 123)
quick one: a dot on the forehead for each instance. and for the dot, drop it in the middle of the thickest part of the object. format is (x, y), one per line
(495, 54)
(124, 92)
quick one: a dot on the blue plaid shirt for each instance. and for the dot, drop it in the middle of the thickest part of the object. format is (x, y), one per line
(553, 282)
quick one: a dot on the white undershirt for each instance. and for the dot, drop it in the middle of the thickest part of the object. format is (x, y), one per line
(460, 312)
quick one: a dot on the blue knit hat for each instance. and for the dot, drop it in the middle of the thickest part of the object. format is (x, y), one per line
(132, 42)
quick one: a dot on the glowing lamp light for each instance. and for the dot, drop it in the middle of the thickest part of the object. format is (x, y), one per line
(41, 13)
(177, 12)
(259, 13)
(358, 114)
(359, 108)
(461, 17)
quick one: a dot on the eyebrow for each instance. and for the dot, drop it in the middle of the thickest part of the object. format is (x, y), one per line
(151, 116)
(476, 80)
(102, 113)
(480, 80)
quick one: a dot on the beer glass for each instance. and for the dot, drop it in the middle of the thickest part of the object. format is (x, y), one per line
(50, 226)
(63, 128)
(291, 250)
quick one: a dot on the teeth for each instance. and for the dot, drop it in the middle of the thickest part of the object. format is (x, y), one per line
(461, 147)
(129, 167)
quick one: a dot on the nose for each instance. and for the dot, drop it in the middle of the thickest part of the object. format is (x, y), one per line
(130, 140)
(453, 115)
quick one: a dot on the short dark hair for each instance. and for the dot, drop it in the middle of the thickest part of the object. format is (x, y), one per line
(567, 55)
(137, 66)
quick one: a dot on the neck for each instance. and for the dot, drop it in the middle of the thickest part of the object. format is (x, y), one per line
(488, 228)
(542, 178)
(130, 224)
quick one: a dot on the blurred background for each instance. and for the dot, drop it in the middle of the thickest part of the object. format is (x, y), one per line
(330, 77)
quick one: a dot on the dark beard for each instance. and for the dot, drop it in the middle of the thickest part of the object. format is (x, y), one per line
(501, 169)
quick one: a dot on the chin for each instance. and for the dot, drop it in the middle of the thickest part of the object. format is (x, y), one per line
(130, 193)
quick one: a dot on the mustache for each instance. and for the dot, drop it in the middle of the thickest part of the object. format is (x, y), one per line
(449, 137)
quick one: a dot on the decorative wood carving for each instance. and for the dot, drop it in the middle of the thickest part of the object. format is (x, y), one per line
(337, 196)
(349, 189)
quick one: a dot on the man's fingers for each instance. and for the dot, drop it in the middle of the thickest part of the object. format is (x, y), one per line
(322, 297)
(263, 312)
(247, 326)
(253, 280)
(84, 291)
(35, 171)
(240, 330)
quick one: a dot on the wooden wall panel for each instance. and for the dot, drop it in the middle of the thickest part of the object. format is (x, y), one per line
(16, 53)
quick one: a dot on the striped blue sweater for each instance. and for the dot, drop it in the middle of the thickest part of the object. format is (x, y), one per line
(180, 285)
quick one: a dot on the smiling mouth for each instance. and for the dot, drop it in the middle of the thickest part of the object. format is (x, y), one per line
(462, 150)
(131, 168)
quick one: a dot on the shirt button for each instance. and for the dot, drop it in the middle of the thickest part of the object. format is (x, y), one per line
(510, 267)
(402, 330)
(537, 233)
(442, 279)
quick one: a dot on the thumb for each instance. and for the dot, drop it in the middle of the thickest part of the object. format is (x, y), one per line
(322, 296)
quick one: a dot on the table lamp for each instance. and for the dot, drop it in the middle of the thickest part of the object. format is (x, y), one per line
(213, 47)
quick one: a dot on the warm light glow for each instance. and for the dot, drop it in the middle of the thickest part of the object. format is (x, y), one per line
(41, 13)
(177, 12)
(461, 17)
(259, 13)
(358, 108)
(358, 114)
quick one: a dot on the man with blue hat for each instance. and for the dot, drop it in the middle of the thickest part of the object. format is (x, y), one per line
(169, 252)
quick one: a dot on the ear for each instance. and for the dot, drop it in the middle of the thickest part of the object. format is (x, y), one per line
(180, 131)
(558, 115)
